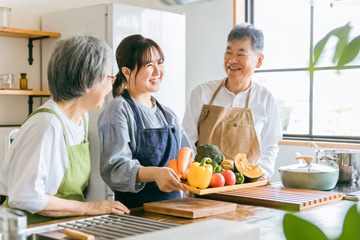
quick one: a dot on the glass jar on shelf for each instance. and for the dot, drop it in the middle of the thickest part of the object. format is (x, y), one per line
(23, 81)
(6, 81)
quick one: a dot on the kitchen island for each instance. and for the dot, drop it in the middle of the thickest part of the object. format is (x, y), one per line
(329, 218)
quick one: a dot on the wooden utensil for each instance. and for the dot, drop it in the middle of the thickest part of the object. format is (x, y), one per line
(75, 234)
(225, 188)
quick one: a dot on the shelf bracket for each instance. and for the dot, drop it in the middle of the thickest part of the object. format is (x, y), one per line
(30, 59)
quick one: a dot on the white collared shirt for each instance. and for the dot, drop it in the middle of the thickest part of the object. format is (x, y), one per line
(264, 111)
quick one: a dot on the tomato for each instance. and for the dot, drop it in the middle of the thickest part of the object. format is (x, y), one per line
(217, 180)
(230, 178)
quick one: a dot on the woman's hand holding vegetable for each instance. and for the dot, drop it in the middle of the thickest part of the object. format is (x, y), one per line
(165, 178)
(168, 181)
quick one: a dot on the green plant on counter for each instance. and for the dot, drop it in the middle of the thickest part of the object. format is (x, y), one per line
(296, 228)
(345, 51)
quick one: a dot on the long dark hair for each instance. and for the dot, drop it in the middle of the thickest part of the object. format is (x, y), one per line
(133, 52)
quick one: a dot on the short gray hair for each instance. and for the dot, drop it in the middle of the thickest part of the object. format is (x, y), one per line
(76, 65)
(246, 30)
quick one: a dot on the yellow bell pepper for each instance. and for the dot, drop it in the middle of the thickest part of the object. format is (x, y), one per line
(200, 174)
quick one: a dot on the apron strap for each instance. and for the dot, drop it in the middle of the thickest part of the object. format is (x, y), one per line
(247, 99)
(48, 110)
(128, 98)
(162, 110)
(133, 106)
(216, 91)
(85, 130)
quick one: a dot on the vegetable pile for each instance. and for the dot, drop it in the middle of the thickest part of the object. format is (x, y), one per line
(211, 169)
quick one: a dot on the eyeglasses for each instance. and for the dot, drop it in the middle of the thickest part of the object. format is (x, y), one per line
(112, 78)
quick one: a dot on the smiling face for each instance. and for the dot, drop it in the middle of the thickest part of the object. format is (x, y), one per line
(240, 61)
(148, 78)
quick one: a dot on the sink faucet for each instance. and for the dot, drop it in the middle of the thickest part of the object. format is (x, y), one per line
(13, 224)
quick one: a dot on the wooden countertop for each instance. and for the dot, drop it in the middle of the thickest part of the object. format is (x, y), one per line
(329, 218)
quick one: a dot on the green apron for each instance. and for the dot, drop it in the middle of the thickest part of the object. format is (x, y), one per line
(76, 176)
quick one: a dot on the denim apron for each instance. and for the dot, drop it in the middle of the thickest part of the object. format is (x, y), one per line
(154, 147)
(76, 177)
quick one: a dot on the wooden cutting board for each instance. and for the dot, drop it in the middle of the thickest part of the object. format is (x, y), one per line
(291, 199)
(190, 207)
(210, 190)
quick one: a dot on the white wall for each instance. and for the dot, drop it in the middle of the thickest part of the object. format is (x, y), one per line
(14, 59)
(207, 26)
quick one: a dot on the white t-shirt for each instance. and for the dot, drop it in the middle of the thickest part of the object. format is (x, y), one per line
(37, 159)
(264, 111)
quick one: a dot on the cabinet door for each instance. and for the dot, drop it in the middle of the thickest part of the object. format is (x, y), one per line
(89, 20)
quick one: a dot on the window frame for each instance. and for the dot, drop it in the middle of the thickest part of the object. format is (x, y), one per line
(250, 17)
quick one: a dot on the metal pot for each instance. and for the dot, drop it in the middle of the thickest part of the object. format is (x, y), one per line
(347, 161)
(309, 175)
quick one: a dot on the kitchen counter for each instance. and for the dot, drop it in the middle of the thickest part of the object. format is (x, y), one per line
(329, 218)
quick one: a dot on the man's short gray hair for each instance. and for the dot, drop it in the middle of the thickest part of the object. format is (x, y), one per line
(76, 65)
(246, 30)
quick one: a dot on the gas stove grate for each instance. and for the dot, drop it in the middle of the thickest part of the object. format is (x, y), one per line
(117, 226)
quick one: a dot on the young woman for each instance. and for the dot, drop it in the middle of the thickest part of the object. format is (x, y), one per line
(48, 165)
(138, 135)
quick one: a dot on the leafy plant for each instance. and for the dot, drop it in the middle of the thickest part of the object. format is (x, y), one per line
(296, 228)
(345, 51)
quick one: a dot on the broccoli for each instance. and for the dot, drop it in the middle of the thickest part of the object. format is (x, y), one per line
(210, 151)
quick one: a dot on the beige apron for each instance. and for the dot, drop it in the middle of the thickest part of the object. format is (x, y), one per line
(230, 128)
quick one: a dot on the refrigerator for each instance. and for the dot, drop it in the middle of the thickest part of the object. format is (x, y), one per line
(112, 23)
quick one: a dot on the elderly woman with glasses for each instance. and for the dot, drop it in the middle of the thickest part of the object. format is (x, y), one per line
(48, 164)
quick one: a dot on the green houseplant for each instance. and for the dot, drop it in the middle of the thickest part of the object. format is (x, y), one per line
(345, 50)
(296, 228)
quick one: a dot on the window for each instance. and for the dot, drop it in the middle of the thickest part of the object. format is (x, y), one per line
(318, 103)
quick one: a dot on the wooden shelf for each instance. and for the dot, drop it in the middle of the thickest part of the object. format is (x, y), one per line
(25, 93)
(31, 94)
(32, 35)
(23, 33)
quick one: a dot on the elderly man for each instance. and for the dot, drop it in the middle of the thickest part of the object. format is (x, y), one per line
(236, 113)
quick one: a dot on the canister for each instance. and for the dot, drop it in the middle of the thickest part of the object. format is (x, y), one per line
(6, 80)
(5, 16)
(347, 161)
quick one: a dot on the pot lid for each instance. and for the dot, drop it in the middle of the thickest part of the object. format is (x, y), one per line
(303, 167)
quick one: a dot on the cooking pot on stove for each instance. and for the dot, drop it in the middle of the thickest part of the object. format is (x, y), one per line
(347, 161)
(309, 175)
